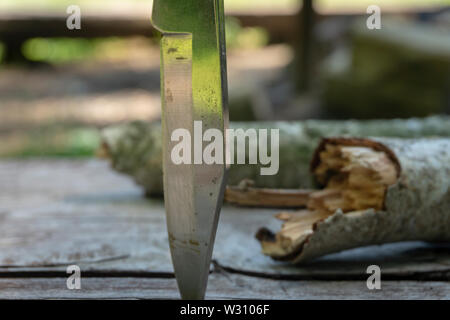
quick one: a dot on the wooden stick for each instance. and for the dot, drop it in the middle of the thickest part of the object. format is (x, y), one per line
(267, 198)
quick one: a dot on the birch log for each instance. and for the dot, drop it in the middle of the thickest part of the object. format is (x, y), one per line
(376, 191)
(135, 148)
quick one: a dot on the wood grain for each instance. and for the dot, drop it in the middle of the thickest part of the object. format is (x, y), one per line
(54, 213)
(221, 286)
(268, 198)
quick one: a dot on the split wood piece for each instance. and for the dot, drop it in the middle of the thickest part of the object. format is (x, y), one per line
(376, 191)
(246, 195)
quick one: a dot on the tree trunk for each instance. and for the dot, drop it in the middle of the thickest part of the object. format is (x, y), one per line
(135, 148)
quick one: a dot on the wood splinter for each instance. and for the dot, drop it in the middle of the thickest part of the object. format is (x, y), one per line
(375, 191)
(246, 195)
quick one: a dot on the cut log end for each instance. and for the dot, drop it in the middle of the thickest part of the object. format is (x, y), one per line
(356, 177)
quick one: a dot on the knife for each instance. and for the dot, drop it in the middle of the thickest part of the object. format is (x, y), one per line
(193, 88)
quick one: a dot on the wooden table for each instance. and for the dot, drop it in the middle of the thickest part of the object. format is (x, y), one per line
(56, 213)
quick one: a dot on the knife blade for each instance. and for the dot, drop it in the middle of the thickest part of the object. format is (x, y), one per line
(193, 88)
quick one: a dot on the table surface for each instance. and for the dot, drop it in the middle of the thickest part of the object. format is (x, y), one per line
(56, 213)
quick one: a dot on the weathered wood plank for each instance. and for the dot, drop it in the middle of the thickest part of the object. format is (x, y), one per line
(221, 286)
(54, 213)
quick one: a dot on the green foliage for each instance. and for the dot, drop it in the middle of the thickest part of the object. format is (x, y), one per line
(63, 50)
(59, 50)
(57, 142)
(56, 50)
(249, 37)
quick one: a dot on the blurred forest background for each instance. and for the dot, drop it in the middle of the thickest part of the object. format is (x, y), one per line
(286, 60)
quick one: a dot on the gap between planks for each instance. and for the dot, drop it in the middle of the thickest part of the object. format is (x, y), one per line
(441, 275)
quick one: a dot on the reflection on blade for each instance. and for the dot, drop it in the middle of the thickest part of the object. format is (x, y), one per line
(194, 89)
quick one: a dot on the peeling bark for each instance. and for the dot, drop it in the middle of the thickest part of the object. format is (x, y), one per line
(415, 204)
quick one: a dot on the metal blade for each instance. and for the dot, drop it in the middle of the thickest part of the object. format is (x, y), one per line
(193, 89)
